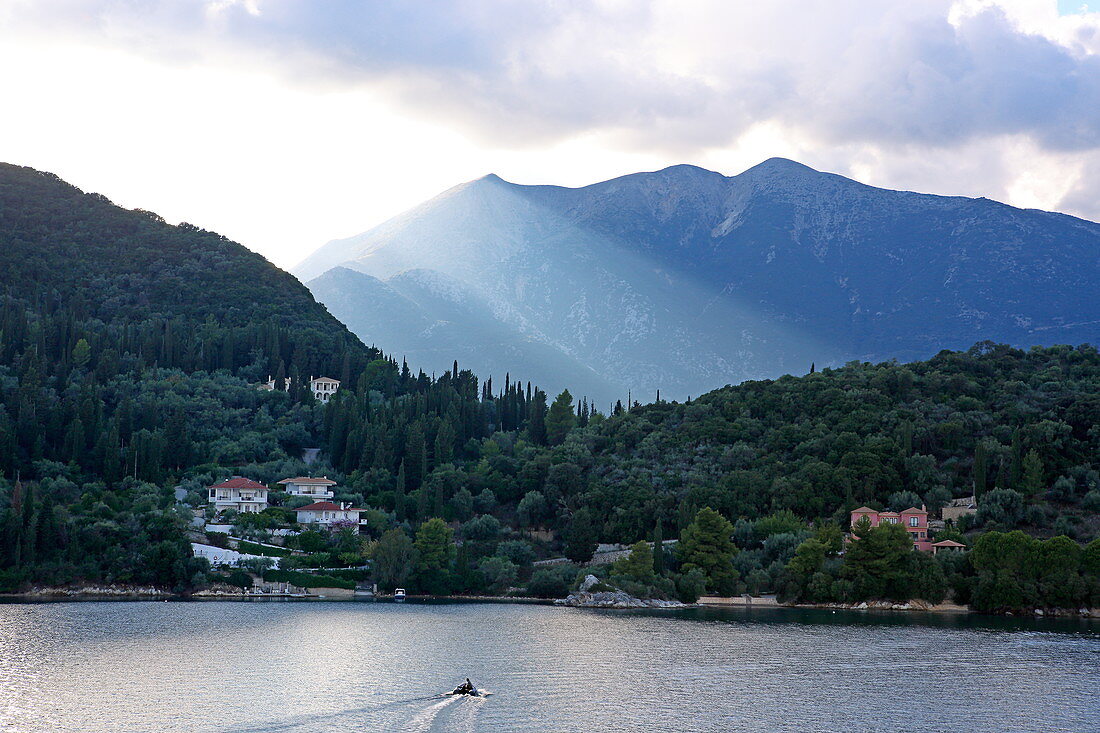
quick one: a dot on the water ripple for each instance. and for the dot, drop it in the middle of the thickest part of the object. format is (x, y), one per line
(303, 667)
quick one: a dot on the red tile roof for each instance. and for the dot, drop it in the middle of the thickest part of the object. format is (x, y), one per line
(862, 510)
(326, 506)
(914, 510)
(308, 480)
(948, 543)
(238, 483)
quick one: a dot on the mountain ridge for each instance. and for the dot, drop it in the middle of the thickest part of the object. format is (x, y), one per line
(684, 280)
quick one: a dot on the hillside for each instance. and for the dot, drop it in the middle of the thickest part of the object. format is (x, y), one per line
(685, 280)
(816, 445)
(1015, 427)
(69, 249)
(129, 353)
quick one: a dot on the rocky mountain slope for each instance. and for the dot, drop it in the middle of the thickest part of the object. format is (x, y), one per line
(684, 280)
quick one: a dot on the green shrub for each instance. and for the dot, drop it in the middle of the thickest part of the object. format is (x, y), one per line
(549, 583)
(307, 580)
(239, 578)
(252, 548)
(218, 539)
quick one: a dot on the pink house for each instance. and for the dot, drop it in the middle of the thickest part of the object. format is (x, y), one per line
(914, 520)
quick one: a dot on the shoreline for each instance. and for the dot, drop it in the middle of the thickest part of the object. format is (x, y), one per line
(144, 593)
(912, 606)
(771, 602)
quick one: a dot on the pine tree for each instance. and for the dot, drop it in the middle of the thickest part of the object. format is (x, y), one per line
(82, 353)
(707, 544)
(560, 418)
(1032, 481)
(581, 537)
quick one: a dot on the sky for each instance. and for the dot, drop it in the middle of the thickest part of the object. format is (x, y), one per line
(286, 123)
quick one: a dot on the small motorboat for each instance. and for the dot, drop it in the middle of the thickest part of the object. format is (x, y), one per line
(399, 594)
(466, 688)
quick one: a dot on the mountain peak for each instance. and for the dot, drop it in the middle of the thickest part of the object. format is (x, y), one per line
(687, 169)
(780, 166)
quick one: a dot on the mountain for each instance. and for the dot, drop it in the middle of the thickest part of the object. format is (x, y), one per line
(684, 279)
(207, 302)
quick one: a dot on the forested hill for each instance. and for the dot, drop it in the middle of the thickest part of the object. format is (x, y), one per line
(129, 354)
(1018, 427)
(212, 300)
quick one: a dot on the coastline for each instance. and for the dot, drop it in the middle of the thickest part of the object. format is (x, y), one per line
(912, 606)
(93, 593)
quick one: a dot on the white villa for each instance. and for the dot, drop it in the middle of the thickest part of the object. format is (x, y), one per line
(314, 488)
(324, 513)
(238, 493)
(323, 388)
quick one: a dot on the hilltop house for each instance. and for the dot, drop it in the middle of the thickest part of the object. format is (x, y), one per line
(323, 388)
(313, 488)
(914, 520)
(325, 513)
(238, 493)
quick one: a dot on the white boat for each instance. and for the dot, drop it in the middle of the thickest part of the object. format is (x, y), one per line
(399, 594)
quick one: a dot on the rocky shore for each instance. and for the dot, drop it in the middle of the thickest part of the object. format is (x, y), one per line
(585, 597)
(93, 591)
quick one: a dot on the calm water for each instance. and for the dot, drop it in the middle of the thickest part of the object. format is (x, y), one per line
(274, 666)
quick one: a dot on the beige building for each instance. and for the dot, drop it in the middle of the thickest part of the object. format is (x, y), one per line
(238, 493)
(959, 508)
(323, 388)
(313, 488)
(325, 514)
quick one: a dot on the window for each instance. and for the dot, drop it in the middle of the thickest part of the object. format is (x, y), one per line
(913, 521)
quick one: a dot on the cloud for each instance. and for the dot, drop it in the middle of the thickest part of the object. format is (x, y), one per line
(848, 70)
(684, 76)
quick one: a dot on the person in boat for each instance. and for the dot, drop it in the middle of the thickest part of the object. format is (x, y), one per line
(466, 688)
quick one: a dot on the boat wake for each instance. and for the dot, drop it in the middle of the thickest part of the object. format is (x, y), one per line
(456, 713)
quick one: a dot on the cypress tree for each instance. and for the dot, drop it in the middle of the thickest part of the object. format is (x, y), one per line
(399, 493)
(536, 423)
(980, 469)
(1016, 459)
(658, 550)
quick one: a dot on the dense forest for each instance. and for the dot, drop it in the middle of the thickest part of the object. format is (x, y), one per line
(130, 352)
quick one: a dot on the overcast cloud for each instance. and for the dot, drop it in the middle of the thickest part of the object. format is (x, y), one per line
(964, 96)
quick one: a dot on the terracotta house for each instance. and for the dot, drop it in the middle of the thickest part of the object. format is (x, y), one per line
(914, 520)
